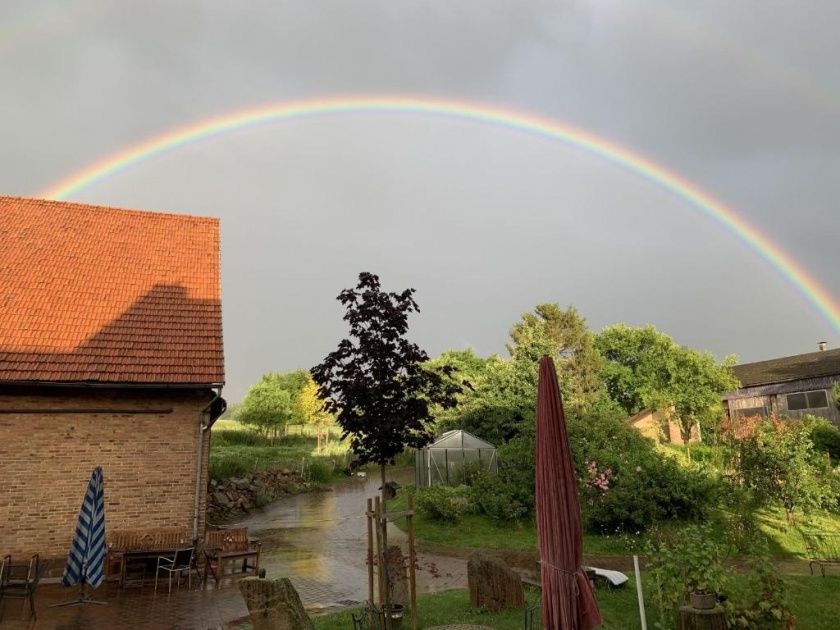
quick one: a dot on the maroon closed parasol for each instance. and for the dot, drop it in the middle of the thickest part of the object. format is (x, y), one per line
(568, 602)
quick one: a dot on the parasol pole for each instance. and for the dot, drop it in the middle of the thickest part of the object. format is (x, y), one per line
(641, 597)
(83, 597)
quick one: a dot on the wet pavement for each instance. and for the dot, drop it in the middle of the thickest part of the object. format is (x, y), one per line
(318, 540)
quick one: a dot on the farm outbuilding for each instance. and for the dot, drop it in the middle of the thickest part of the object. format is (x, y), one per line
(790, 387)
(443, 461)
(110, 356)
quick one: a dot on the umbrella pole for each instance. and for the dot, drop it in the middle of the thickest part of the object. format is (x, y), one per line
(83, 597)
(641, 597)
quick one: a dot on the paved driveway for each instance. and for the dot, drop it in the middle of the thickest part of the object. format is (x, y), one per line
(318, 540)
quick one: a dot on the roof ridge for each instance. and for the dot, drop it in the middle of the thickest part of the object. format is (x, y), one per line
(815, 354)
(112, 209)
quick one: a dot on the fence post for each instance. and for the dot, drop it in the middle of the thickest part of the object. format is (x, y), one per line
(412, 560)
(369, 516)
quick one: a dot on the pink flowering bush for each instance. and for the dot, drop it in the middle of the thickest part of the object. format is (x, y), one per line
(625, 485)
(596, 481)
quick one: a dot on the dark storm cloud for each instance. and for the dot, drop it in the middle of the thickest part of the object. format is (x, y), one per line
(741, 98)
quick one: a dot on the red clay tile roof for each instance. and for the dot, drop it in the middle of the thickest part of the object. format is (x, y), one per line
(95, 294)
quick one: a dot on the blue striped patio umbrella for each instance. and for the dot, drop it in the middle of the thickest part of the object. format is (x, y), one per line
(86, 561)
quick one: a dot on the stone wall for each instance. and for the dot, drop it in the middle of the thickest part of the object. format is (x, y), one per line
(144, 440)
(241, 494)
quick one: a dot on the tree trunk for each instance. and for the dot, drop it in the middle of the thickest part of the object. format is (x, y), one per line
(384, 573)
(685, 430)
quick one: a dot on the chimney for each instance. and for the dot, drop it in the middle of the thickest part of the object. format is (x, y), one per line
(821, 345)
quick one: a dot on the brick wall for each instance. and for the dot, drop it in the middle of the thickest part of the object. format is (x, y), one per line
(148, 461)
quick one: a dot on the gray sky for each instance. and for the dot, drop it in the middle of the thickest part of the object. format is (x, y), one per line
(741, 98)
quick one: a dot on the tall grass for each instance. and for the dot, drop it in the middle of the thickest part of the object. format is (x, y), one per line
(236, 451)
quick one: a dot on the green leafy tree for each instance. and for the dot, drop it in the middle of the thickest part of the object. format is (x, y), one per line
(497, 406)
(314, 410)
(639, 366)
(563, 335)
(778, 463)
(646, 369)
(293, 382)
(267, 406)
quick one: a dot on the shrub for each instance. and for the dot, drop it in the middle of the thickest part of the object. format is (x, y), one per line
(444, 503)
(653, 491)
(319, 470)
(763, 600)
(467, 474)
(692, 559)
(777, 462)
(625, 483)
(680, 563)
(263, 498)
(825, 438)
(508, 495)
(499, 500)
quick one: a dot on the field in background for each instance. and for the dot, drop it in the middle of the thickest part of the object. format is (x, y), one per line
(236, 451)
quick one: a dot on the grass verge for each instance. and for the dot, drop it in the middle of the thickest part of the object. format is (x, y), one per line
(813, 601)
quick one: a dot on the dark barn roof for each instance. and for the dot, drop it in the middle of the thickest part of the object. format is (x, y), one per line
(786, 369)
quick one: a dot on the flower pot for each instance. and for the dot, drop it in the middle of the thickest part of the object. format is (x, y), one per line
(703, 600)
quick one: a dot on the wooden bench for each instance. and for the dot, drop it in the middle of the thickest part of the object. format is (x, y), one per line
(161, 540)
(823, 549)
(225, 545)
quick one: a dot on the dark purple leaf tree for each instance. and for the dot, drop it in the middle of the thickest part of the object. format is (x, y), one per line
(376, 382)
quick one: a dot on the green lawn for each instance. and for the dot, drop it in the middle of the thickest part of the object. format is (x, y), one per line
(813, 600)
(236, 451)
(478, 531)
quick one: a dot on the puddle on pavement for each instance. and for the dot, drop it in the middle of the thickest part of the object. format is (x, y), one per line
(319, 541)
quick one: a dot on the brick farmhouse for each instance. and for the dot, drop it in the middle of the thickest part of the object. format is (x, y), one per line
(110, 355)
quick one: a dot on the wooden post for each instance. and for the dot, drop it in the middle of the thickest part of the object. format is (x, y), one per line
(380, 558)
(369, 515)
(383, 569)
(412, 560)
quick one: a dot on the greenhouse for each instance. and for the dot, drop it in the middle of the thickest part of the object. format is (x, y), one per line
(445, 461)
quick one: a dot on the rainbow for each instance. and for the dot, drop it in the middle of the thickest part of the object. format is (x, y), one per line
(794, 273)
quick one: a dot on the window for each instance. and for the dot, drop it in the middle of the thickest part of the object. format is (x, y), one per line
(807, 400)
(751, 412)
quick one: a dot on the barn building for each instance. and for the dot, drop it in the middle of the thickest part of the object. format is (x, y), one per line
(788, 387)
(110, 355)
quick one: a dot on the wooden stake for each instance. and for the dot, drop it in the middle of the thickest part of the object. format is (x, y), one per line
(412, 559)
(369, 515)
(380, 557)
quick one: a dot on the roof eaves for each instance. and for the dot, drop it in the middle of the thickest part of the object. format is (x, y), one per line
(112, 384)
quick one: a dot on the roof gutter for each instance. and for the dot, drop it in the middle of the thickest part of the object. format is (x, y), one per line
(215, 408)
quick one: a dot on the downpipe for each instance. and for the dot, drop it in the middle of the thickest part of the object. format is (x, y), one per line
(202, 427)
